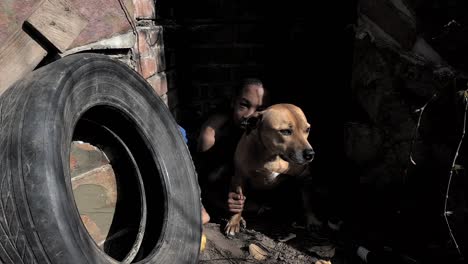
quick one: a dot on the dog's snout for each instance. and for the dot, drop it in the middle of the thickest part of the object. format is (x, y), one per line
(308, 154)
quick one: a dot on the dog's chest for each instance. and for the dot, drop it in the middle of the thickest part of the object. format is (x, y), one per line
(277, 166)
(267, 175)
(263, 179)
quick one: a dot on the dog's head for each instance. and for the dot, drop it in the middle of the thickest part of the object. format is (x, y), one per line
(283, 130)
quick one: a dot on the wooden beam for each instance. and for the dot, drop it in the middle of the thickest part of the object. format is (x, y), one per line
(20, 55)
(59, 22)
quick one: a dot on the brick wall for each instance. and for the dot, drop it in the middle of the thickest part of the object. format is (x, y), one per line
(212, 44)
(166, 20)
(148, 52)
(138, 43)
(223, 41)
(130, 35)
(301, 52)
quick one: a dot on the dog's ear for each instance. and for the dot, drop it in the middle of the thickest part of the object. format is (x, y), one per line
(250, 123)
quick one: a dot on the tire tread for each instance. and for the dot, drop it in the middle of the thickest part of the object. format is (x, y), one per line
(14, 246)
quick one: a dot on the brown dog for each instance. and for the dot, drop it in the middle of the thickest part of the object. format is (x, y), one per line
(275, 142)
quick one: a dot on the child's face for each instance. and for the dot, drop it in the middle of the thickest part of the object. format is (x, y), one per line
(251, 99)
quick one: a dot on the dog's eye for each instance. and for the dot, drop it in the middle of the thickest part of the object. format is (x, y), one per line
(286, 132)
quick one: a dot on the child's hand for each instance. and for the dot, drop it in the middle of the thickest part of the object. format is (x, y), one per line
(236, 201)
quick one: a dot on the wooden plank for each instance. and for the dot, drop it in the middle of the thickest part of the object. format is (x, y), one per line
(20, 55)
(59, 22)
(12, 16)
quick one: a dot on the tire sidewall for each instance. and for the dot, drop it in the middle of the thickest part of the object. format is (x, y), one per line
(64, 92)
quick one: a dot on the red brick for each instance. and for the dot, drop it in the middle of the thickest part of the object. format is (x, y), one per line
(142, 44)
(86, 147)
(159, 83)
(73, 163)
(150, 50)
(103, 176)
(94, 231)
(148, 66)
(144, 9)
(85, 157)
(148, 38)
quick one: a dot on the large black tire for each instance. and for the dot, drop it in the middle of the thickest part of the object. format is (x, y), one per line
(39, 118)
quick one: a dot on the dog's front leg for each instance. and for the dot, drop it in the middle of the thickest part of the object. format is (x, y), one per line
(236, 220)
(234, 224)
(312, 222)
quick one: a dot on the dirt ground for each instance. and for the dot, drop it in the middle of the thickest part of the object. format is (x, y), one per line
(276, 232)
(282, 243)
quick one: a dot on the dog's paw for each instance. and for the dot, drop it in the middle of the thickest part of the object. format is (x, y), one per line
(232, 229)
(243, 223)
(234, 225)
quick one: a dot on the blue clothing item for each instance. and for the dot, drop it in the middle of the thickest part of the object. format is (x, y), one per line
(184, 134)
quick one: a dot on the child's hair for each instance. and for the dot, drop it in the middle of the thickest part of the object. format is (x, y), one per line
(245, 82)
(237, 90)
